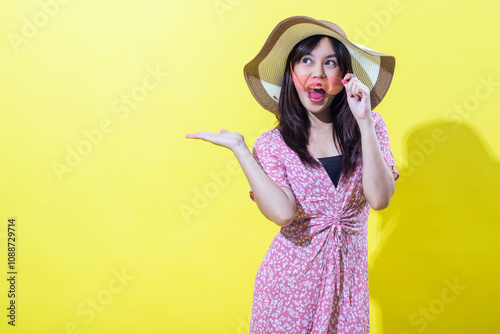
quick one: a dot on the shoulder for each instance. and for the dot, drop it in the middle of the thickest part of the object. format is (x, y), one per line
(380, 126)
(377, 118)
(272, 145)
(270, 139)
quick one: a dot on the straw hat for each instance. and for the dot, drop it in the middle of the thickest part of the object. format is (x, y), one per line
(264, 74)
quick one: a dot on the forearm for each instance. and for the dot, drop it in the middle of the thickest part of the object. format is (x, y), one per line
(378, 180)
(274, 202)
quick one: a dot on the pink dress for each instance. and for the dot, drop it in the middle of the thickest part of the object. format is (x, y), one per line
(314, 277)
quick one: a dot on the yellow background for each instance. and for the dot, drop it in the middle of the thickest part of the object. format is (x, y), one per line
(149, 232)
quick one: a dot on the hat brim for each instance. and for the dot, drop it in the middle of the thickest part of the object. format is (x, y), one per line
(264, 73)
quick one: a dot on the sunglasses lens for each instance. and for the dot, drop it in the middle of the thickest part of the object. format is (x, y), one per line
(306, 83)
(334, 85)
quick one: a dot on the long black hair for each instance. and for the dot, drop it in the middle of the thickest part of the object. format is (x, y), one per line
(294, 123)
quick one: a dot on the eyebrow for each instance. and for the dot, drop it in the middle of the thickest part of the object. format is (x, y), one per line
(329, 56)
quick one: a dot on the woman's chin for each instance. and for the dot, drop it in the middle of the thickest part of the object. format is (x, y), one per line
(316, 105)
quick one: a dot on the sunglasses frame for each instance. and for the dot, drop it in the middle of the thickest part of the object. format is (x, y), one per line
(321, 81)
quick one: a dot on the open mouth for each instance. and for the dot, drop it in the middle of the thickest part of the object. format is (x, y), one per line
(317, 94)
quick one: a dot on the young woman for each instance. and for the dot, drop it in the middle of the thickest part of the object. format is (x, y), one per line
(316, 175)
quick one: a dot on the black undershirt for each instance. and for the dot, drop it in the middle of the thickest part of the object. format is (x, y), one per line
(333, 166)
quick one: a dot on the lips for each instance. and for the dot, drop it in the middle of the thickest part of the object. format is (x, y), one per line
(316, 95)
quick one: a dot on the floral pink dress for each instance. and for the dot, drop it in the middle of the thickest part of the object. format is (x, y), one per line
(314, 277)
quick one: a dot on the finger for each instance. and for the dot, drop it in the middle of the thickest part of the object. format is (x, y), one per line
(200, 135)
(353, 81)
(350, 90)
(193, 135)
(349, 77)
(349, 81)
(361, 90)
(355, 90)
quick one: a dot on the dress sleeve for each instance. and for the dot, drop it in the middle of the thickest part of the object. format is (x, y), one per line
(385, 145)
(266, 155)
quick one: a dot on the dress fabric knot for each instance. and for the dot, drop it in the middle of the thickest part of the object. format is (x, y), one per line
(314, 277)
(337, 232)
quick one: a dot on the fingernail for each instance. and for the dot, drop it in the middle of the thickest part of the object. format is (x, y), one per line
(344, 82)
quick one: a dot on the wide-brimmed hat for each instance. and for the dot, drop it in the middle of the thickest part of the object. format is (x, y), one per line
(264, 74)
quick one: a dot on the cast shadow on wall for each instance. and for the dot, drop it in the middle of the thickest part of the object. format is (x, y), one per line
(438, 269)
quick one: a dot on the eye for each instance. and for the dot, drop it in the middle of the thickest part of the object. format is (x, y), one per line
(306, 60)
(331, 63)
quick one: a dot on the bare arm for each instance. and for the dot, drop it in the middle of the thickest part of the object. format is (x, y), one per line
(378, 179)
(276, 203)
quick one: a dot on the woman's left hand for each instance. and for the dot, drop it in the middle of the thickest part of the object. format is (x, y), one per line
(358, 97)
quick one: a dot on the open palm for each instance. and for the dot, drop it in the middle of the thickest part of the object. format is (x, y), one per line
(231, 140)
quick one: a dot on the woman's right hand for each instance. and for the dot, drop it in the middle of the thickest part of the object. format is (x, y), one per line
(231, 140)
(275, 202)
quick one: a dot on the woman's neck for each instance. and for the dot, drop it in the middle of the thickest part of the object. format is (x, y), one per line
(320, 123)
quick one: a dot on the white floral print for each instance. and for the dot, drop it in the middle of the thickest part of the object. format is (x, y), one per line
(314, 277)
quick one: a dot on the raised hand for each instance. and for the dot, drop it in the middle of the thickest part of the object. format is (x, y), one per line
(224, 138)
(358, 97)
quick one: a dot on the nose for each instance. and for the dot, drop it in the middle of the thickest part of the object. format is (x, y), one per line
(318, 72)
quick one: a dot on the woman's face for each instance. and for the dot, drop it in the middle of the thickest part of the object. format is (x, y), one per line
(321, 63)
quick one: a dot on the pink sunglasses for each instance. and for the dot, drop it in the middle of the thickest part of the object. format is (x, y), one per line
(306, 83)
